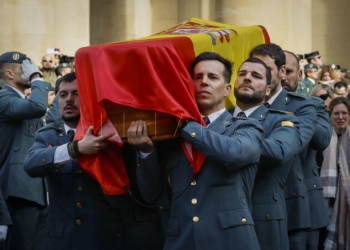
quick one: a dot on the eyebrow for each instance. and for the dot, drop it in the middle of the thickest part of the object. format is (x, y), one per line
(244, 71)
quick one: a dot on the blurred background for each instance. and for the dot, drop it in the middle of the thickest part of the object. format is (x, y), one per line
(35, 27)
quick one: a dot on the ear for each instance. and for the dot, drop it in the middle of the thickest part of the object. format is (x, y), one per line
(282, 72)
(228, 89)
(268, 90)
(300, 75)
(9, 74)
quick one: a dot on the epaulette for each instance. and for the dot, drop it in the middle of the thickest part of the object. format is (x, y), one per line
(51, 125)
(280, 111)
(298, 95)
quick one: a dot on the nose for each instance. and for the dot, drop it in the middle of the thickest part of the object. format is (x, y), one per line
(205, 80)
(70, 98)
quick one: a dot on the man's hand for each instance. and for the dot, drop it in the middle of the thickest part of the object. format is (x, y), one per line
(3, 232)
(138, 136)
(29, 69)
(91, 144)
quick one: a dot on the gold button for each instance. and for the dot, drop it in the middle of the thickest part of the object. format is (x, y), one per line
(244, 220)
(78, 222)
(160, 208)
(314, 186)
(79, 188)
(138, 164)
(193, 134)
(193, 183)
(195, 219)
(79, 205)
(294, 194)
(267, 216)
(80, 171)
(43, 160)
(118, 235)
(194, 201)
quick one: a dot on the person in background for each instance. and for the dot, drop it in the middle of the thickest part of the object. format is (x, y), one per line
(327, 76)
(25, 196)
(324, 92)
(314, 58)
(48, 70)
(340, 89)
(336, 178)
(63, 68)
(311, 77)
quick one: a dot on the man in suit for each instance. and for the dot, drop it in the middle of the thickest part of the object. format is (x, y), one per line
(319, 142)
(209, 210)
(281, 143)
(296, 195)
(80, 215)
(25, 196)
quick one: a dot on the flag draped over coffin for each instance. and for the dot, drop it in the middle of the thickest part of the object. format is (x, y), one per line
(150, 73)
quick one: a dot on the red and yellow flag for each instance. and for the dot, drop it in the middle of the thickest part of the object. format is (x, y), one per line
(150, 73)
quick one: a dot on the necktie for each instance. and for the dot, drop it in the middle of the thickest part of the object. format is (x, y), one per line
(206, 120)
(267, 105)
(241, 115)
(71, 134)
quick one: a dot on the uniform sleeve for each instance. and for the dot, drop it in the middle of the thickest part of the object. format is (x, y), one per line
(40, 158)
(149, 177)
(14, 108)
(5, 218)
(306, 114)
(241, 148)
(323, 132)
(284, 140)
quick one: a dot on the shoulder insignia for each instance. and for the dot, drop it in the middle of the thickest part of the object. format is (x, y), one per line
(286, 99)
(261, 116)
(60, 135)
(289, 113)
(287, 123)
(298, 95)
(59, 128)
(227, 123)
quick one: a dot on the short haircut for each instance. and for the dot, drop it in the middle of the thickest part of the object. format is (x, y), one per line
(272, 50)
(295, 57)
(3, 67)
(339, 85)
(70, 77)
(337, 101)
(267, 70)
(212, 56)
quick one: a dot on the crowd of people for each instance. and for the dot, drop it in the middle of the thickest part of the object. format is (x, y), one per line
(276, 172)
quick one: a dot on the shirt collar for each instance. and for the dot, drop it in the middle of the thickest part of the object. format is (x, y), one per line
(248, 112)
(19, 92)
(212, 117)
(311, 80)
(272, 99)
(67, 128)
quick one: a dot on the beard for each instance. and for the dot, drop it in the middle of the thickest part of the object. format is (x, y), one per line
(23, 84)
(257, 98)
(75, 118)
(289, 87)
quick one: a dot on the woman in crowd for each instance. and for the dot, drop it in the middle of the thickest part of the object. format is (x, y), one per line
(335, 176)
(327, 76)
(324, 92)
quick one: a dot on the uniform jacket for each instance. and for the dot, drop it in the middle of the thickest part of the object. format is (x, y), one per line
(319, 142)
(5, 218)
(305, 86)
(18, 124)
(80, 215)
(295, 190)
(211, 210)
(281, 144)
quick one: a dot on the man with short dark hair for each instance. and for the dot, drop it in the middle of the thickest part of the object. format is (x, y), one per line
(25, 197)
(80, 215)
(340, 89)
(209, 210)
(311, 76)
(319, 142)
(281, 143)
(296, 195)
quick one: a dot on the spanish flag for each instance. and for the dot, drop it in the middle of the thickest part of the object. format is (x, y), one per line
(152, 74)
